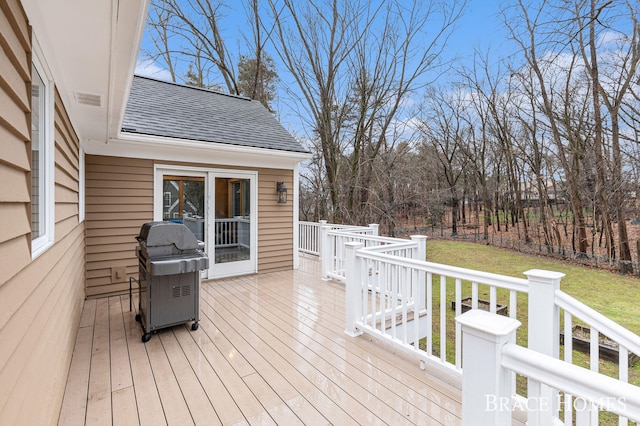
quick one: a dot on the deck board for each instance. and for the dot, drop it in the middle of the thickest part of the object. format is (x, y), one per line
(270, 349)
(360, 379)
(223, 403)
(99, 396)
(173, 401)
(147, 398)
(197, 400)
(341, 387)
(74, 404)
(381, 369)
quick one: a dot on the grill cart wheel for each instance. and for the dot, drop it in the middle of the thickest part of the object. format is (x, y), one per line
(194, 326)
(146, 337)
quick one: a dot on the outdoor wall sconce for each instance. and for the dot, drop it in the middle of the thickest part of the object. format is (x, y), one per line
(282, 192)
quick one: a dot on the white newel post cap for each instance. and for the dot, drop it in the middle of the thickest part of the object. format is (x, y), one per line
(487, 326)
(541, 275)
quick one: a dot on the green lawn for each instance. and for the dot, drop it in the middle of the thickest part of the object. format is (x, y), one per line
(611, 294)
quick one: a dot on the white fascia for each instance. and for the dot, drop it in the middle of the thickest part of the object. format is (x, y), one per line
(149, 147)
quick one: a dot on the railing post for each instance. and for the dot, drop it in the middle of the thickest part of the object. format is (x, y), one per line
(544, 335)
(326, 257)
(322, 223)
(353, 290)
(420, 253)
(374, 229)
(487, 387)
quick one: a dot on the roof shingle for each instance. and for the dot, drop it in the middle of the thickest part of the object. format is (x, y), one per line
(159, 108)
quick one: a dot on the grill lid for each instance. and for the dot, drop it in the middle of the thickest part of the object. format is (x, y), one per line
(155, 234)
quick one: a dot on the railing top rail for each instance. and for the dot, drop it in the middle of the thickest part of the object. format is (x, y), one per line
(620, 398)
(376, 238)
(598, 321)
(402, 244)
(346, 229)
(231, 219)
(480, 277)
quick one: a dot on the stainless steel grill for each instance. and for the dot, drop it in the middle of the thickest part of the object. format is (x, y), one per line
(169, 261)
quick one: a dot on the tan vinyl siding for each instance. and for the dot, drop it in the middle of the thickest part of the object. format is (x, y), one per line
(41, 299)
(275, 222)
(119, 199)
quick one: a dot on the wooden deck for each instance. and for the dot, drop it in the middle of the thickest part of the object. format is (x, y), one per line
(270, 350)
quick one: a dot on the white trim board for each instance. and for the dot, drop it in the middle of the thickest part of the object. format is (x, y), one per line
(170, 149)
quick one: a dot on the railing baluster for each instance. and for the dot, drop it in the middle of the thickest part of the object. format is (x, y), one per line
(623, 375)
(370, 285)
(594, 349)
(568, 357)
(513, 304)
(474, 295)
(384, 293)
(594, 357)
(458, 342)
(443, 318)
(415, 284)
(429, 346)
(402, 275)
(492, 299)
(394, 300)
(384, 275)
(513, 313)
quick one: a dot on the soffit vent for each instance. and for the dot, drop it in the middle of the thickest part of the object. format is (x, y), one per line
(89, 99)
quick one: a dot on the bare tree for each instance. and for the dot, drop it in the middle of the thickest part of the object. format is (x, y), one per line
(479, 145)
(354, 63)
(621, 71)
(388, 66)
(444, 127)
(159, 25)
(525, 26)
(188, 33)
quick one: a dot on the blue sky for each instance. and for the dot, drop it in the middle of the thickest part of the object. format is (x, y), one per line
(480, 27)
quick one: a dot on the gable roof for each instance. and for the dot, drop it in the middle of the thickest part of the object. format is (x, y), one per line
(159, 108)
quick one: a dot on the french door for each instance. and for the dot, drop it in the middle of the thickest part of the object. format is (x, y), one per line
(234, 230)
(219, 207)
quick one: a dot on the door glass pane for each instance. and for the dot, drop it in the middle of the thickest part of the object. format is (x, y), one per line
(233, 220)
(183, 202)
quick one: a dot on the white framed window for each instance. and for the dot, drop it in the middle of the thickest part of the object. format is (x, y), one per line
(42, 152)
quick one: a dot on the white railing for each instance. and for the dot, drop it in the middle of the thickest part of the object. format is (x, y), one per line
(395, 295)
(232, 232)
(491, 359)
(309, 237)
(432, 284)
(627, 343)
(332, 246)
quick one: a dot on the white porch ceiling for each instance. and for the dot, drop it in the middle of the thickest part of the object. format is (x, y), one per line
(91, 49)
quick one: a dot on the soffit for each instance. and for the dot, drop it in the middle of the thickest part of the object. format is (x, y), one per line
(90, 48)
